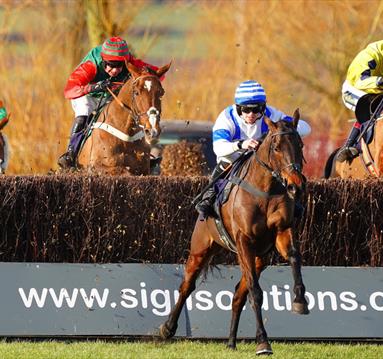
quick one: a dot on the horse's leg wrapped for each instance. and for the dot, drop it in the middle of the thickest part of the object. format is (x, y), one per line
(285, 246)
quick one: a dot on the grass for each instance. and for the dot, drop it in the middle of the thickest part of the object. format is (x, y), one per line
(181, 349)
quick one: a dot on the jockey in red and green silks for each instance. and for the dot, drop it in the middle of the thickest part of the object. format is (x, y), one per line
(102, 66)
(364, 76)
(3, 116)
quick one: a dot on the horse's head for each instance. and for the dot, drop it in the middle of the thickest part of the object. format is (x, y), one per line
(285, 153)
(146, 95)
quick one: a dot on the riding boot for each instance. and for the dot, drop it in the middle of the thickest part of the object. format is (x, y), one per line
(69, 158)
(205, 206)
(348, 151)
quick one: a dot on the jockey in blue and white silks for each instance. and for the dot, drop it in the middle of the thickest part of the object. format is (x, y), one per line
(233, 126)
(239, 127)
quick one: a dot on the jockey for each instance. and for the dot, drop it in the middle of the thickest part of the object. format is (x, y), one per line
(364, 76)
(4, 118)
(238, 128)
(102, 65)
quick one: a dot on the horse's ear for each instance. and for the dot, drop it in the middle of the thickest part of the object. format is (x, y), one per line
(272, 126)
(163, 70)
(296, 117)
(135, 71)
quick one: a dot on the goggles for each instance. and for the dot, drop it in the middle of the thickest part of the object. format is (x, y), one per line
(114, 64)
(258, 108)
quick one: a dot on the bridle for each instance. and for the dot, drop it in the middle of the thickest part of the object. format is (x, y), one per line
(135, 114)
(152, 114)
(275, 173)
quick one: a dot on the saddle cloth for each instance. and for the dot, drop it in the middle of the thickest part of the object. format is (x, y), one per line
(222, 189)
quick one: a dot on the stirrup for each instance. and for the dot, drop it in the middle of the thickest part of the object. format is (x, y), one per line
(66, 161)
(346, 154)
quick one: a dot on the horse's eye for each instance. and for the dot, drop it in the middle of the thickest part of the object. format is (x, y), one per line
(136, 93)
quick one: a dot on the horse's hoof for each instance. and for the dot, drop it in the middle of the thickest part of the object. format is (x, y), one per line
(231, 346)
(300, 308)
(264, 349)
(165, 332)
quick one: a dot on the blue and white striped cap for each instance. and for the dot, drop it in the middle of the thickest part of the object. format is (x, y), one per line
(249, 92)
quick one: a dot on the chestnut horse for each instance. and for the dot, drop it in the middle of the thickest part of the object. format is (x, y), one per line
(370, 162)
(258, 215)
(3, 153)
(121, 138)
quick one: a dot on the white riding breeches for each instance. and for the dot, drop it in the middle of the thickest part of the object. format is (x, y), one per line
(85, 105)
(351, 95)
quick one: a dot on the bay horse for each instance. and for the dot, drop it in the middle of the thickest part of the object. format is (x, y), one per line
(120, 140)
(259, 216)
(3, 153)
(370, 161)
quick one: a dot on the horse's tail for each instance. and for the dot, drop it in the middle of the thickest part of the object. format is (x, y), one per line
(329, 163)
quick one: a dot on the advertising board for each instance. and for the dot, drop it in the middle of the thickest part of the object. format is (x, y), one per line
(47, 299)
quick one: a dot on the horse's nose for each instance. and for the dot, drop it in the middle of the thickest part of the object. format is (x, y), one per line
(151, 133)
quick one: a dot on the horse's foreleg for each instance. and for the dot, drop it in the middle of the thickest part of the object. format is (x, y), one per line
(199, 257)
(285, 246)
(239, 301)
(246, 257)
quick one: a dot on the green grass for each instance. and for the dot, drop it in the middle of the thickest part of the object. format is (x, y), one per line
(181, 349)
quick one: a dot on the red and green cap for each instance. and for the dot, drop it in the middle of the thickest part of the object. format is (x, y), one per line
(115, 49)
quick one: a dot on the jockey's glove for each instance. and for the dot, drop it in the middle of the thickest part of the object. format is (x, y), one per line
(99, 86)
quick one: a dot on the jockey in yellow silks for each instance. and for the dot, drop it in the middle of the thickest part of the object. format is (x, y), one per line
(364, 76)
